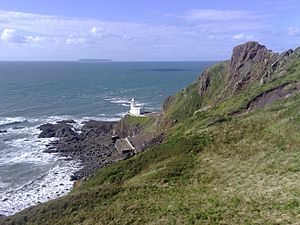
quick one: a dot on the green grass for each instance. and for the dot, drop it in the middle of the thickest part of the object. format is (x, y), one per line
(133, 125)
(136, 120)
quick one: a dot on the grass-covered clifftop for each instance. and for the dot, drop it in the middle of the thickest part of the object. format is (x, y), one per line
(231, 155)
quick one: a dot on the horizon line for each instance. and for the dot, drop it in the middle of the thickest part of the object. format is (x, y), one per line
(113, 61)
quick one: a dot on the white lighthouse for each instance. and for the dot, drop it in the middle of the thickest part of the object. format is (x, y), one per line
(134, 110)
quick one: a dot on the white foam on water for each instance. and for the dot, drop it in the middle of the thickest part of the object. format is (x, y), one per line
(22, 146)
(54, 119)
(118, 100)
(26, 150)
(124, 102)
(55, 183)
(3, 185)
(10, 120)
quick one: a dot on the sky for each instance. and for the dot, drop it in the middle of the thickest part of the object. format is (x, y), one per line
(143, 30)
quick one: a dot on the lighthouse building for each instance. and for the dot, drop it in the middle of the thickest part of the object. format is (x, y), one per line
(134, 110)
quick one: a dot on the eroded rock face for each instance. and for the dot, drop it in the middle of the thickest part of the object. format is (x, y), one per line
(249, 61)
(245, 54)
(204, 83)
(273, 95)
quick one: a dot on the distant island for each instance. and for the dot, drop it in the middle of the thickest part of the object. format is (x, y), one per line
(95, 60)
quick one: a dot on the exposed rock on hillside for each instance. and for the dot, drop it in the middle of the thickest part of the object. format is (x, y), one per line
(204, 82)
(249, 62)
(252, 66)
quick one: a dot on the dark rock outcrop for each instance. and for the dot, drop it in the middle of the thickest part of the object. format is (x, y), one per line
(245, 76)
(3, 131)
(99, 127)
(273, 95)
(59, 130)
(204, 83)
(249, 62)
(92, 145)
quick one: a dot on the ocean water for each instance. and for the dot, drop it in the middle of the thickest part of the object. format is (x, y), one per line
(33, 93)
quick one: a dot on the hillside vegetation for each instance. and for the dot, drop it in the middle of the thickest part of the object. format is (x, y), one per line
(231, 155)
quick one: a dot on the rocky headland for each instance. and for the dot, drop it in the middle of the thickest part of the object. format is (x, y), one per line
(93, 142)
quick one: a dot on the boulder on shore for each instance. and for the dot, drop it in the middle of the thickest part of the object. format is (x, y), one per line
(59, 130)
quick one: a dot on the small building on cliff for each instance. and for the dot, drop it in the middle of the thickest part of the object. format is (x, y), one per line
(123, 146)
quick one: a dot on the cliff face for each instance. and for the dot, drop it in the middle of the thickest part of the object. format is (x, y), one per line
(252, 66)
(249, 62)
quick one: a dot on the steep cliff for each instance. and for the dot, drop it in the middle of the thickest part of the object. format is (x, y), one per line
(231, 85)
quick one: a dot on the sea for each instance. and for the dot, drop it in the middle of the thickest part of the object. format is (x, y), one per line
(34, 93)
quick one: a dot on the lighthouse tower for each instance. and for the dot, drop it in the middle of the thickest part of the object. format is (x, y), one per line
(134, 110)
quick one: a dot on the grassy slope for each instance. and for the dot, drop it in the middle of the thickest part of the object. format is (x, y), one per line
(240, 170)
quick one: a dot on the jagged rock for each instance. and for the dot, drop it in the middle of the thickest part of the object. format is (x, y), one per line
(286, 53)
(249, 62)
(93, 146)
(59, 130)
(204, 83)
(99, 127)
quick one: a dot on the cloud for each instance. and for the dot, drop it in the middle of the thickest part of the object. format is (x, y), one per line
(34, 40)
(215, 15)
(97, 32)
(10, 36)
(202, 32)
(293, 31)
(242, 37)
(77, 41)
(95, 35)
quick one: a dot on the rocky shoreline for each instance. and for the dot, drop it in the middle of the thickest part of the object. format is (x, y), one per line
(92, 144)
